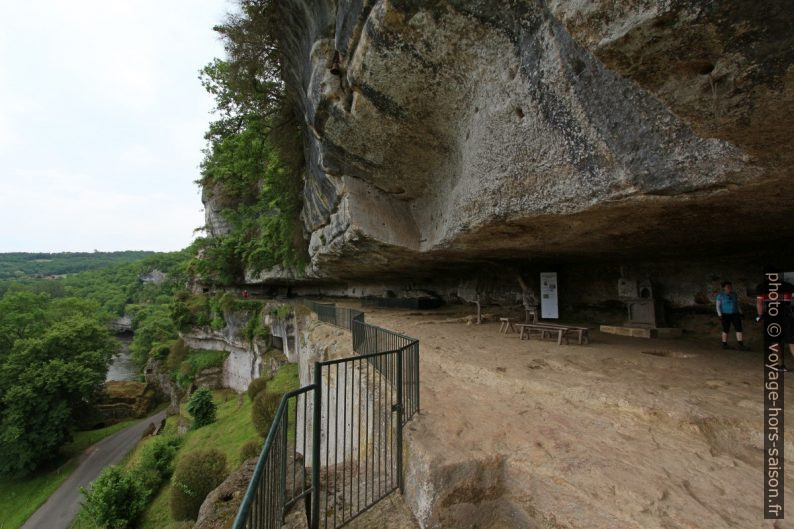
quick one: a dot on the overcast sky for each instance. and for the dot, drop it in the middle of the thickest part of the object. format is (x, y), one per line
(101, 122)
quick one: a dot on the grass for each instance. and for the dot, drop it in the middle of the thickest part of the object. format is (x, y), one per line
(20, 497)
(200, 359)
(286, 379)
(83, 440)
(195, 361)
(232, 429)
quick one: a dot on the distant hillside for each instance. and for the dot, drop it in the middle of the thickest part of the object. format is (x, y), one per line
(22, 265)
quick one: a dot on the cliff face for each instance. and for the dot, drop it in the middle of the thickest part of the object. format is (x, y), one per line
(458, 130)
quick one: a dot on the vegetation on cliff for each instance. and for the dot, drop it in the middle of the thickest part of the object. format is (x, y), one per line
(254, 159)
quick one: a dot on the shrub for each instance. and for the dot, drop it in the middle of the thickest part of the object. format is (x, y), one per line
(176, 355)
(256, 386)
(156, 463)
(263, 410)
(160, 350)
(254, 329)
(195, 362)
(196, 475)
(116, 498)
(201, 407)
(188, 310)
(250, 449)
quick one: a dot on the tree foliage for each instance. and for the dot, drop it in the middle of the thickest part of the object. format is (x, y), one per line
(45, 378)
(156, 463)
(18, 265)
(254, 160)
(201, 407)
(115, 499)
(153, 326)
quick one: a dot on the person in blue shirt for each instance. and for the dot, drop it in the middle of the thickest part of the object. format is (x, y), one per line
(730, 313)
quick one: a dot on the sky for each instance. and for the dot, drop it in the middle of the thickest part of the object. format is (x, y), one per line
(102, 119)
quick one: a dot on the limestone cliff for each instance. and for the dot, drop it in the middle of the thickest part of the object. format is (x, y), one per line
(457, 130)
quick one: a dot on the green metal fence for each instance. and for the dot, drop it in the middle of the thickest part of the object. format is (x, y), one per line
(280, 477)
(359, 407)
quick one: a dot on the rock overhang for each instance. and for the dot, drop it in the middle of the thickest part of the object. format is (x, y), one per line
(459, 131)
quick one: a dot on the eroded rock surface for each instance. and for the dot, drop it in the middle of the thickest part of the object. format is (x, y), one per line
(463, 129)
(616, 434)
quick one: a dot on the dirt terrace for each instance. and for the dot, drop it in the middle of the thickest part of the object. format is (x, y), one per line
(624, 433)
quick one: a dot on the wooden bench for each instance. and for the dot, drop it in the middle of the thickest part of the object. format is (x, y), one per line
(582, 333)
(507, 326)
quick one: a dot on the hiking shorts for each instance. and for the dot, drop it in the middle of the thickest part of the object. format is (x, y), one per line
(728, 319)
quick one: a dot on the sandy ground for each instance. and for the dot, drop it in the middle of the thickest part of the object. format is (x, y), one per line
(621, 433)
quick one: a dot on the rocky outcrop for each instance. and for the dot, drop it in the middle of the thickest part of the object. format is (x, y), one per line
(461, 130)
(125, 399)
(214, 203)
(159, 379)
(122, 325)
(249, 359)
(220, 506)
(154, 276)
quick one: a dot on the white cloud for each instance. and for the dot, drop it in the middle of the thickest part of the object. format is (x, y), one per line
(101, 122)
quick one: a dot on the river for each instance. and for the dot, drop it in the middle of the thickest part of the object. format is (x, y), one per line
(122, 367)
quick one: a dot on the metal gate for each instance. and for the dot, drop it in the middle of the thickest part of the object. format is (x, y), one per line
(358, 408)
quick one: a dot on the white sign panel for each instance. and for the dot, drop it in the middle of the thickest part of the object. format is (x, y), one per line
(548, 295)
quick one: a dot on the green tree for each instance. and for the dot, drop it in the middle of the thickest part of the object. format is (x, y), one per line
(43, 382)
(253, 162)
(201, 407)
(152, 325)
(21, 315)
(115, 499)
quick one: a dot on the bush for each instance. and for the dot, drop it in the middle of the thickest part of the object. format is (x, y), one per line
(116, 498)
(196, 475)
(160, 350)
(176, 355)
(250, 449)
(156, 463)
(195, 362)
(263, 410)
(201, 407)
(256, 386)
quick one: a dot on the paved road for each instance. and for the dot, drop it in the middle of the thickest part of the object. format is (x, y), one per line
(60, 509)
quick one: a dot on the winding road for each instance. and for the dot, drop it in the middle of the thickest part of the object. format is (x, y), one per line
(60, 509)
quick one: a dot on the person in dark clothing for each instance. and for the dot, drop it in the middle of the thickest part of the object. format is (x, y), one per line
(730, 313)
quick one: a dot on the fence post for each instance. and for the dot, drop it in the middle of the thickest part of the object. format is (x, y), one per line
(400, 420)
(315, 514)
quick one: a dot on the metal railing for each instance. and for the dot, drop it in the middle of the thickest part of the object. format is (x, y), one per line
(278, 481)
(353, 425)
(369, 339)
(339, 316)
